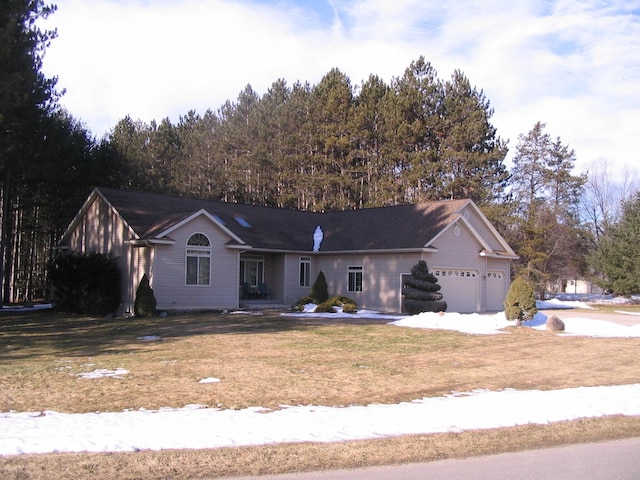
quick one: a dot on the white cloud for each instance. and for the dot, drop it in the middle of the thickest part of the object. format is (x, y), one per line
(569, 63)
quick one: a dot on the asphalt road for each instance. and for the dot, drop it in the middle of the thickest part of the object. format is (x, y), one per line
(616, 460)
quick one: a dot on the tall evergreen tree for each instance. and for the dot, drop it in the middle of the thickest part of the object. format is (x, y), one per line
(27, 97)
(414, 123)
(237, 143)
(373, 172)
(545, 230)
(617, 258)
(128, 142)
(471, 153)
(272, 147)
(197, 170)
(332, 100)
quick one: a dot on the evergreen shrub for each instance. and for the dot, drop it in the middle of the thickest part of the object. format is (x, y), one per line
(145, 303)
(86, 283)
(325, 307)
(299, 306)
(348, 305)
(520, 303)
(319, 290)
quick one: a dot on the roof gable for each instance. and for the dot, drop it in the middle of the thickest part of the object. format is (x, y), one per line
(152, 217)
(181, 220)
(472, 231)
(96, 195)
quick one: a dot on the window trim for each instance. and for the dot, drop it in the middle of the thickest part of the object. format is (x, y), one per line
(200, 253)
(355, 279)
(304, 272)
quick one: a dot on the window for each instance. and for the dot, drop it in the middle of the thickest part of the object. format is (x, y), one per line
(305, 271)
(198, 260)
(252, 270)
(355, 279)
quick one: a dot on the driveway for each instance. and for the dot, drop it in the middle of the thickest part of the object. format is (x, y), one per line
(620, 318)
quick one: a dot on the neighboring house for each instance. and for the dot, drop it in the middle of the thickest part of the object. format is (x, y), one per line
(581, 285)
(199, 253)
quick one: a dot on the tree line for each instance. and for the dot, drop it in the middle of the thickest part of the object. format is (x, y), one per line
(328, 146)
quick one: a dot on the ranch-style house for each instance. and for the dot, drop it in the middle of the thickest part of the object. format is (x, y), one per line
(204, 254)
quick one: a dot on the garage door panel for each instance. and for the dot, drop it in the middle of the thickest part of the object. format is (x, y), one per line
(496, 290)
(459, 287)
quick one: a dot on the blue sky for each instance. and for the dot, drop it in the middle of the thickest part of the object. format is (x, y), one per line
(573, 64)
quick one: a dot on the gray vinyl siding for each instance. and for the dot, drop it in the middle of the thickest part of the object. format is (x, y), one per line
(169, 276)
(462, 251)
(100, 230)
(382, 276)
(291, 277)
(483, 230)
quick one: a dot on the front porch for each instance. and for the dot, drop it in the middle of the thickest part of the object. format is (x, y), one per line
(262, 282)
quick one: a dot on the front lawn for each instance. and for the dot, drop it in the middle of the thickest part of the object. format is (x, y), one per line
(269, 360)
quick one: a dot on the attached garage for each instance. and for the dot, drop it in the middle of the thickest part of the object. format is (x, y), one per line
(460, 287)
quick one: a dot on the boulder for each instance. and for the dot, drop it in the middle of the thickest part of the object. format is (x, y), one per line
(555, 324)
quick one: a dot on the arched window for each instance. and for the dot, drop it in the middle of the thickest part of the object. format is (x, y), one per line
(198, 271)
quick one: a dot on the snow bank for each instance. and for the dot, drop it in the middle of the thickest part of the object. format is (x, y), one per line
(194, 427)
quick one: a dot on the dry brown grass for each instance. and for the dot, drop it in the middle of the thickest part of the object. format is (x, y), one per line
(286, 458)
(269, 360)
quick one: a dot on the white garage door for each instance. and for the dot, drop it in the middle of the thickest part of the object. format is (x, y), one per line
(460, 288)
(496, 290)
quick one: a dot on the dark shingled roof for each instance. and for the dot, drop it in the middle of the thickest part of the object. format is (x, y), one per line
(397, 227)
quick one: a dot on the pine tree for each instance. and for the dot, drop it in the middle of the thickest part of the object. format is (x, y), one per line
(145, 302)
(414, 115)
(617, 258)
(545, 229)
(27, 99)
(471, 152)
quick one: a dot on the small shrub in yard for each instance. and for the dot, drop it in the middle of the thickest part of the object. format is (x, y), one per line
(145, 303)
(348, 305)
(520, 303)
(319, 290)
(328, 306)
(299, 306)
(325, 307)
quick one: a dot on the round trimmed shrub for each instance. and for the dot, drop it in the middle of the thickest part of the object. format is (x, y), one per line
(325, 307)
(520, 304)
